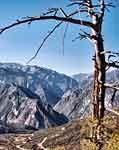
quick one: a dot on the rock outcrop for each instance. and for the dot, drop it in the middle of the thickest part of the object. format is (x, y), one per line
(20, 108)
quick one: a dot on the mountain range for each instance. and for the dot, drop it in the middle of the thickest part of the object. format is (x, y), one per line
(28, 94)
(48, 84)
(33, 97)
(76, 103)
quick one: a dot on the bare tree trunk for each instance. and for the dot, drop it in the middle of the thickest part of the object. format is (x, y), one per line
(99, 80)
(100, 61)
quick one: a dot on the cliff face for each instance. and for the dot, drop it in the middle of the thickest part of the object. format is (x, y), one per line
(21, 108)
(76, 103)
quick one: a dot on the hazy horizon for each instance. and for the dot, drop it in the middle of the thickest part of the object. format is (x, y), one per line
(23, 64)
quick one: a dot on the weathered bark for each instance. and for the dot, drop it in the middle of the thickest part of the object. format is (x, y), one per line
(98, 98)
(99, 77)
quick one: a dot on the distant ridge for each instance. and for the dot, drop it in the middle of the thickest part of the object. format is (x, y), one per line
(48, 84)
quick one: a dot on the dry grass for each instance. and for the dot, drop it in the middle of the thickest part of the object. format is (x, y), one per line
(72, 136)
(113, 143)
(57, 148)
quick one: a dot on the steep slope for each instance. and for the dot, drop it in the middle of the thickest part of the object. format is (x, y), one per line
(21, 108)
(75, 103)
(48, 84)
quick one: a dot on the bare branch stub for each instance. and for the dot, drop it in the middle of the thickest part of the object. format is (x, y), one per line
(112, 59)
(112, 86)
(113, 64)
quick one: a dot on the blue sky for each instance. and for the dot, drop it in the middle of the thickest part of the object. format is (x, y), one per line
(20, 43)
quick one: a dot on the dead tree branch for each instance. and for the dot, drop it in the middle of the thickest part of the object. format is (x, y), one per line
(111, 110)
(38, 18)
(113, 64)
(44, 40)
(49, 34)
(112, 86)
(113, 96)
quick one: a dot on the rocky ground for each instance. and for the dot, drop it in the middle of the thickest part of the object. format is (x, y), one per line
(66, 137)
(71, 136)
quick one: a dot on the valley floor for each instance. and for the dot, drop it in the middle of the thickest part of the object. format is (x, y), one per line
(66, 137)
(71, 136)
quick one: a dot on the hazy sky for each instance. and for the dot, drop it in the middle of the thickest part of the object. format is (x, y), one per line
(20, 43)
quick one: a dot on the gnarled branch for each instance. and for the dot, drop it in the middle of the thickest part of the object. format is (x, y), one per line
(38, 18)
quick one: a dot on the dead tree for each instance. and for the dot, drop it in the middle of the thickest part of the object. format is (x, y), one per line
(93, 14)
